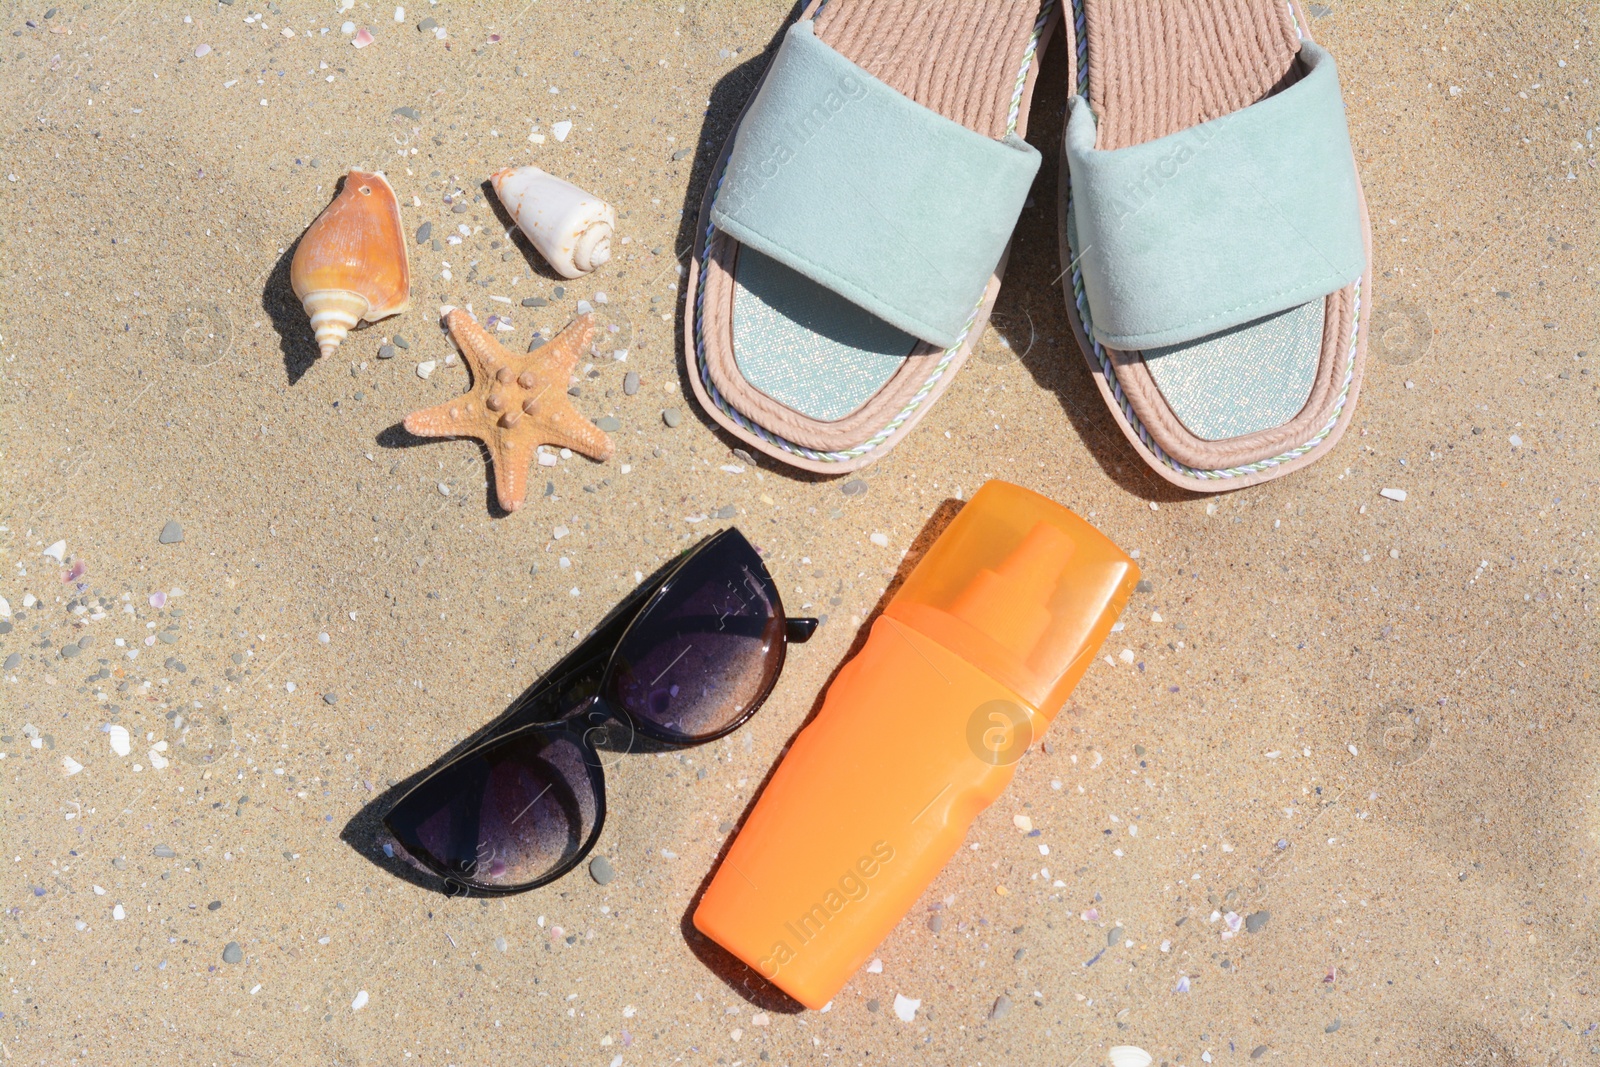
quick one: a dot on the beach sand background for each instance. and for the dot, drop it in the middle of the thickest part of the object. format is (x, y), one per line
(1366, 725)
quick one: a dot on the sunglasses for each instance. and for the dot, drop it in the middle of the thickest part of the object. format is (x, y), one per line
(525, 802)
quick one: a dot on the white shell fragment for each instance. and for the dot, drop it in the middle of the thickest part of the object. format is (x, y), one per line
(1128, 1056)
(905, 1007)
(1393, 494)
(119, 739)
(570, 228)
(70, 765)
(360, 1001)
(57, 551)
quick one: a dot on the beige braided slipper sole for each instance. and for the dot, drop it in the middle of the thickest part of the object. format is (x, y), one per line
(972, 61)
(1151, 68)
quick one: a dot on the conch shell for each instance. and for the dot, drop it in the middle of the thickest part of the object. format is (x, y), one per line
(570, 228)
(353, 264)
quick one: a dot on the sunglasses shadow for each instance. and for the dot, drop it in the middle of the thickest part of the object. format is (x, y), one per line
(365, 833)
(737, 975)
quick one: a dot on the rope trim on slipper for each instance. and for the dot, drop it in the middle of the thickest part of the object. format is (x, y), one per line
(938, 372)
(1108, 370)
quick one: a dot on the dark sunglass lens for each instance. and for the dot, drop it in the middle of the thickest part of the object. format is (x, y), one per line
(701, 657)
(507, 814)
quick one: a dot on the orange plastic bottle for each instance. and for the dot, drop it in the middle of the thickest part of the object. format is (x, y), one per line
(919, 732)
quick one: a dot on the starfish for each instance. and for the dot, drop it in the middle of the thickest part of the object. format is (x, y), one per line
(516, 403)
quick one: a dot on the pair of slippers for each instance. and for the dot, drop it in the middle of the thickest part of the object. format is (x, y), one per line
(1213, 230)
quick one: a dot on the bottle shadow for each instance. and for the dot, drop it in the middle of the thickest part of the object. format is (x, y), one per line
(397, 437)
(738, 976)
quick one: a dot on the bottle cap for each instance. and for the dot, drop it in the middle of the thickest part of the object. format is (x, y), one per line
(1021, 588)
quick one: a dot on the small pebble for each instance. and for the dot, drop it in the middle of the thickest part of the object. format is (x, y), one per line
(164, 852)
(535, 302)
(1258, 1052)
(854, 487)
(330, 698)
(609, 423)
(681, 153)
(459, 209)
(1113, 936)
(1331, 1027)
(408, 112)
(873, 1005)
(1256, 920)
(386, 351)
(672, 417)
(424, 233)
(171, 533)
(1144, 586)
(401, 342)
(215, 905)
(936, 922)
(426, 24)
(600, 870)
(232, 953)
(630, 383)
(1001, 1008)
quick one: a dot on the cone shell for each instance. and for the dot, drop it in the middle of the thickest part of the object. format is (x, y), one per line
(352, 264)
(570, 228)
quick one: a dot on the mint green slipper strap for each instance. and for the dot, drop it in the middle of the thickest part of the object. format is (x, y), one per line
(1246, 215)
(868, 193)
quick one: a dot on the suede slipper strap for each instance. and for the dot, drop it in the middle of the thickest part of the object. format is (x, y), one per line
(889, 204)
(1250, 214)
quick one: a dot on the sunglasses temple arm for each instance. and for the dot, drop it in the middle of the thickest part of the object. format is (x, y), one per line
(799, 631)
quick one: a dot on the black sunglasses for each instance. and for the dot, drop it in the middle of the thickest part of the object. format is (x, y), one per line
(525, 803)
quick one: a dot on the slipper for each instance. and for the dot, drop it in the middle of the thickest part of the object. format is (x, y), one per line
(1215, 235)
(856, 225)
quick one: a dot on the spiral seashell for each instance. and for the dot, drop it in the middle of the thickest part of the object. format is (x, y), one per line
(570, 228)
(352, 264)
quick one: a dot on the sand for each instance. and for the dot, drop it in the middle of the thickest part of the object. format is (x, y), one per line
(1364, 725)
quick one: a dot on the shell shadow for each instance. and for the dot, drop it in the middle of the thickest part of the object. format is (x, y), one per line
(518, 240)
(296, 342)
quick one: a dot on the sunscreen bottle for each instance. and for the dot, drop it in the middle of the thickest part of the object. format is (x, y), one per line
(921, 731)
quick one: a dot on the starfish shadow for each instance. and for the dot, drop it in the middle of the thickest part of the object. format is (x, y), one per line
(397, 437)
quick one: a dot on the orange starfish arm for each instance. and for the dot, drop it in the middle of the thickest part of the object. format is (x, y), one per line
(562, 353)
(483, 353)
(565, 428)
(511, 461)
(450, 419)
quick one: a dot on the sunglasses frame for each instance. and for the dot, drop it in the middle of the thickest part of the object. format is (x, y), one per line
(586, 670)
